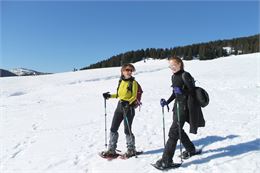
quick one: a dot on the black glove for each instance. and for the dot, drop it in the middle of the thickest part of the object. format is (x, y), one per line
(125, 104)
(106, 95)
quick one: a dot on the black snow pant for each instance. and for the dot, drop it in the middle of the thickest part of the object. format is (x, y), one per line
(119, 114)
(174, 132)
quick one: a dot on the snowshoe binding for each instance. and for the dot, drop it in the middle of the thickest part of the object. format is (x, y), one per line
(188, 154)
(109, 154)
(130, 153)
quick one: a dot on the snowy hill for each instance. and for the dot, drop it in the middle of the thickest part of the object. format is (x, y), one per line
(6, 73)
(25, 72)
(55, 123)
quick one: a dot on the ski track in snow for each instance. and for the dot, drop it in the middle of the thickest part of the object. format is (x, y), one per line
(55, 123)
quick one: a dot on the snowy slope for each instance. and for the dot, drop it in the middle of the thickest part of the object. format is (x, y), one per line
(25, 72)
(55, 123)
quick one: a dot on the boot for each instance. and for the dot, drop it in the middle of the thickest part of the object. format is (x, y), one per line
(113, 141)
(109, 153)
(130, 153)
(130, 142)
(188, 154)
(163, 163)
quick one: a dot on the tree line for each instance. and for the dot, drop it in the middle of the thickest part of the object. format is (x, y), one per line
(201, 51)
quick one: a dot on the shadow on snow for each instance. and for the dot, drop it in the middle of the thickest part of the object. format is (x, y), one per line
(230, 151)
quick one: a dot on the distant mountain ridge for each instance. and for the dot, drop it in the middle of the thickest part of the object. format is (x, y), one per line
(25, 72)
(6, 73)
(20, 72)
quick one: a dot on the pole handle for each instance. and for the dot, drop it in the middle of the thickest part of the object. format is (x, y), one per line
(163, 127)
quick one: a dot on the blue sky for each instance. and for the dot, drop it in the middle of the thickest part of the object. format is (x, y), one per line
(57, 36)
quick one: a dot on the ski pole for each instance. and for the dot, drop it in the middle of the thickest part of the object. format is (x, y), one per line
(179, 121)
(128, 126)
(105, 103)
(163, 126)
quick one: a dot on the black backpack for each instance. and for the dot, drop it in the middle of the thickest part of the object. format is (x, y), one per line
(201, 94)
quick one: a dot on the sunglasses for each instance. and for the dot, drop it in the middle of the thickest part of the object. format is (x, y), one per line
(172, 66)
(129, 70)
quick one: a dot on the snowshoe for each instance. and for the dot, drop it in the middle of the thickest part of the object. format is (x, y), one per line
(109, 154)
(188, 154)
(163, 165)
(130, 153)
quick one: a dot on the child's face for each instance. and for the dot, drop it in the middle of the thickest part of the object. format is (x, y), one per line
(127, 72)
(174, 66)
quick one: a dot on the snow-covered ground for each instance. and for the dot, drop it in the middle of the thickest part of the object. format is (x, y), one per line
(55, 123)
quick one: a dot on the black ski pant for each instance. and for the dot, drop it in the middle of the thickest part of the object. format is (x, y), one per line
(174, 133)
(119, 117)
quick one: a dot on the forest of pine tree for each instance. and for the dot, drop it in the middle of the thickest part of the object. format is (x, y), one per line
(201, 51)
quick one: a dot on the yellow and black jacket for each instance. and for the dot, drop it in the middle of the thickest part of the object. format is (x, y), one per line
(125, 92)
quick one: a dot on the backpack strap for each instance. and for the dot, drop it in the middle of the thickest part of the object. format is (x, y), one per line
(191, 79)
(119, 82)
(189, 83)
(130, 86)
(183, 78)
